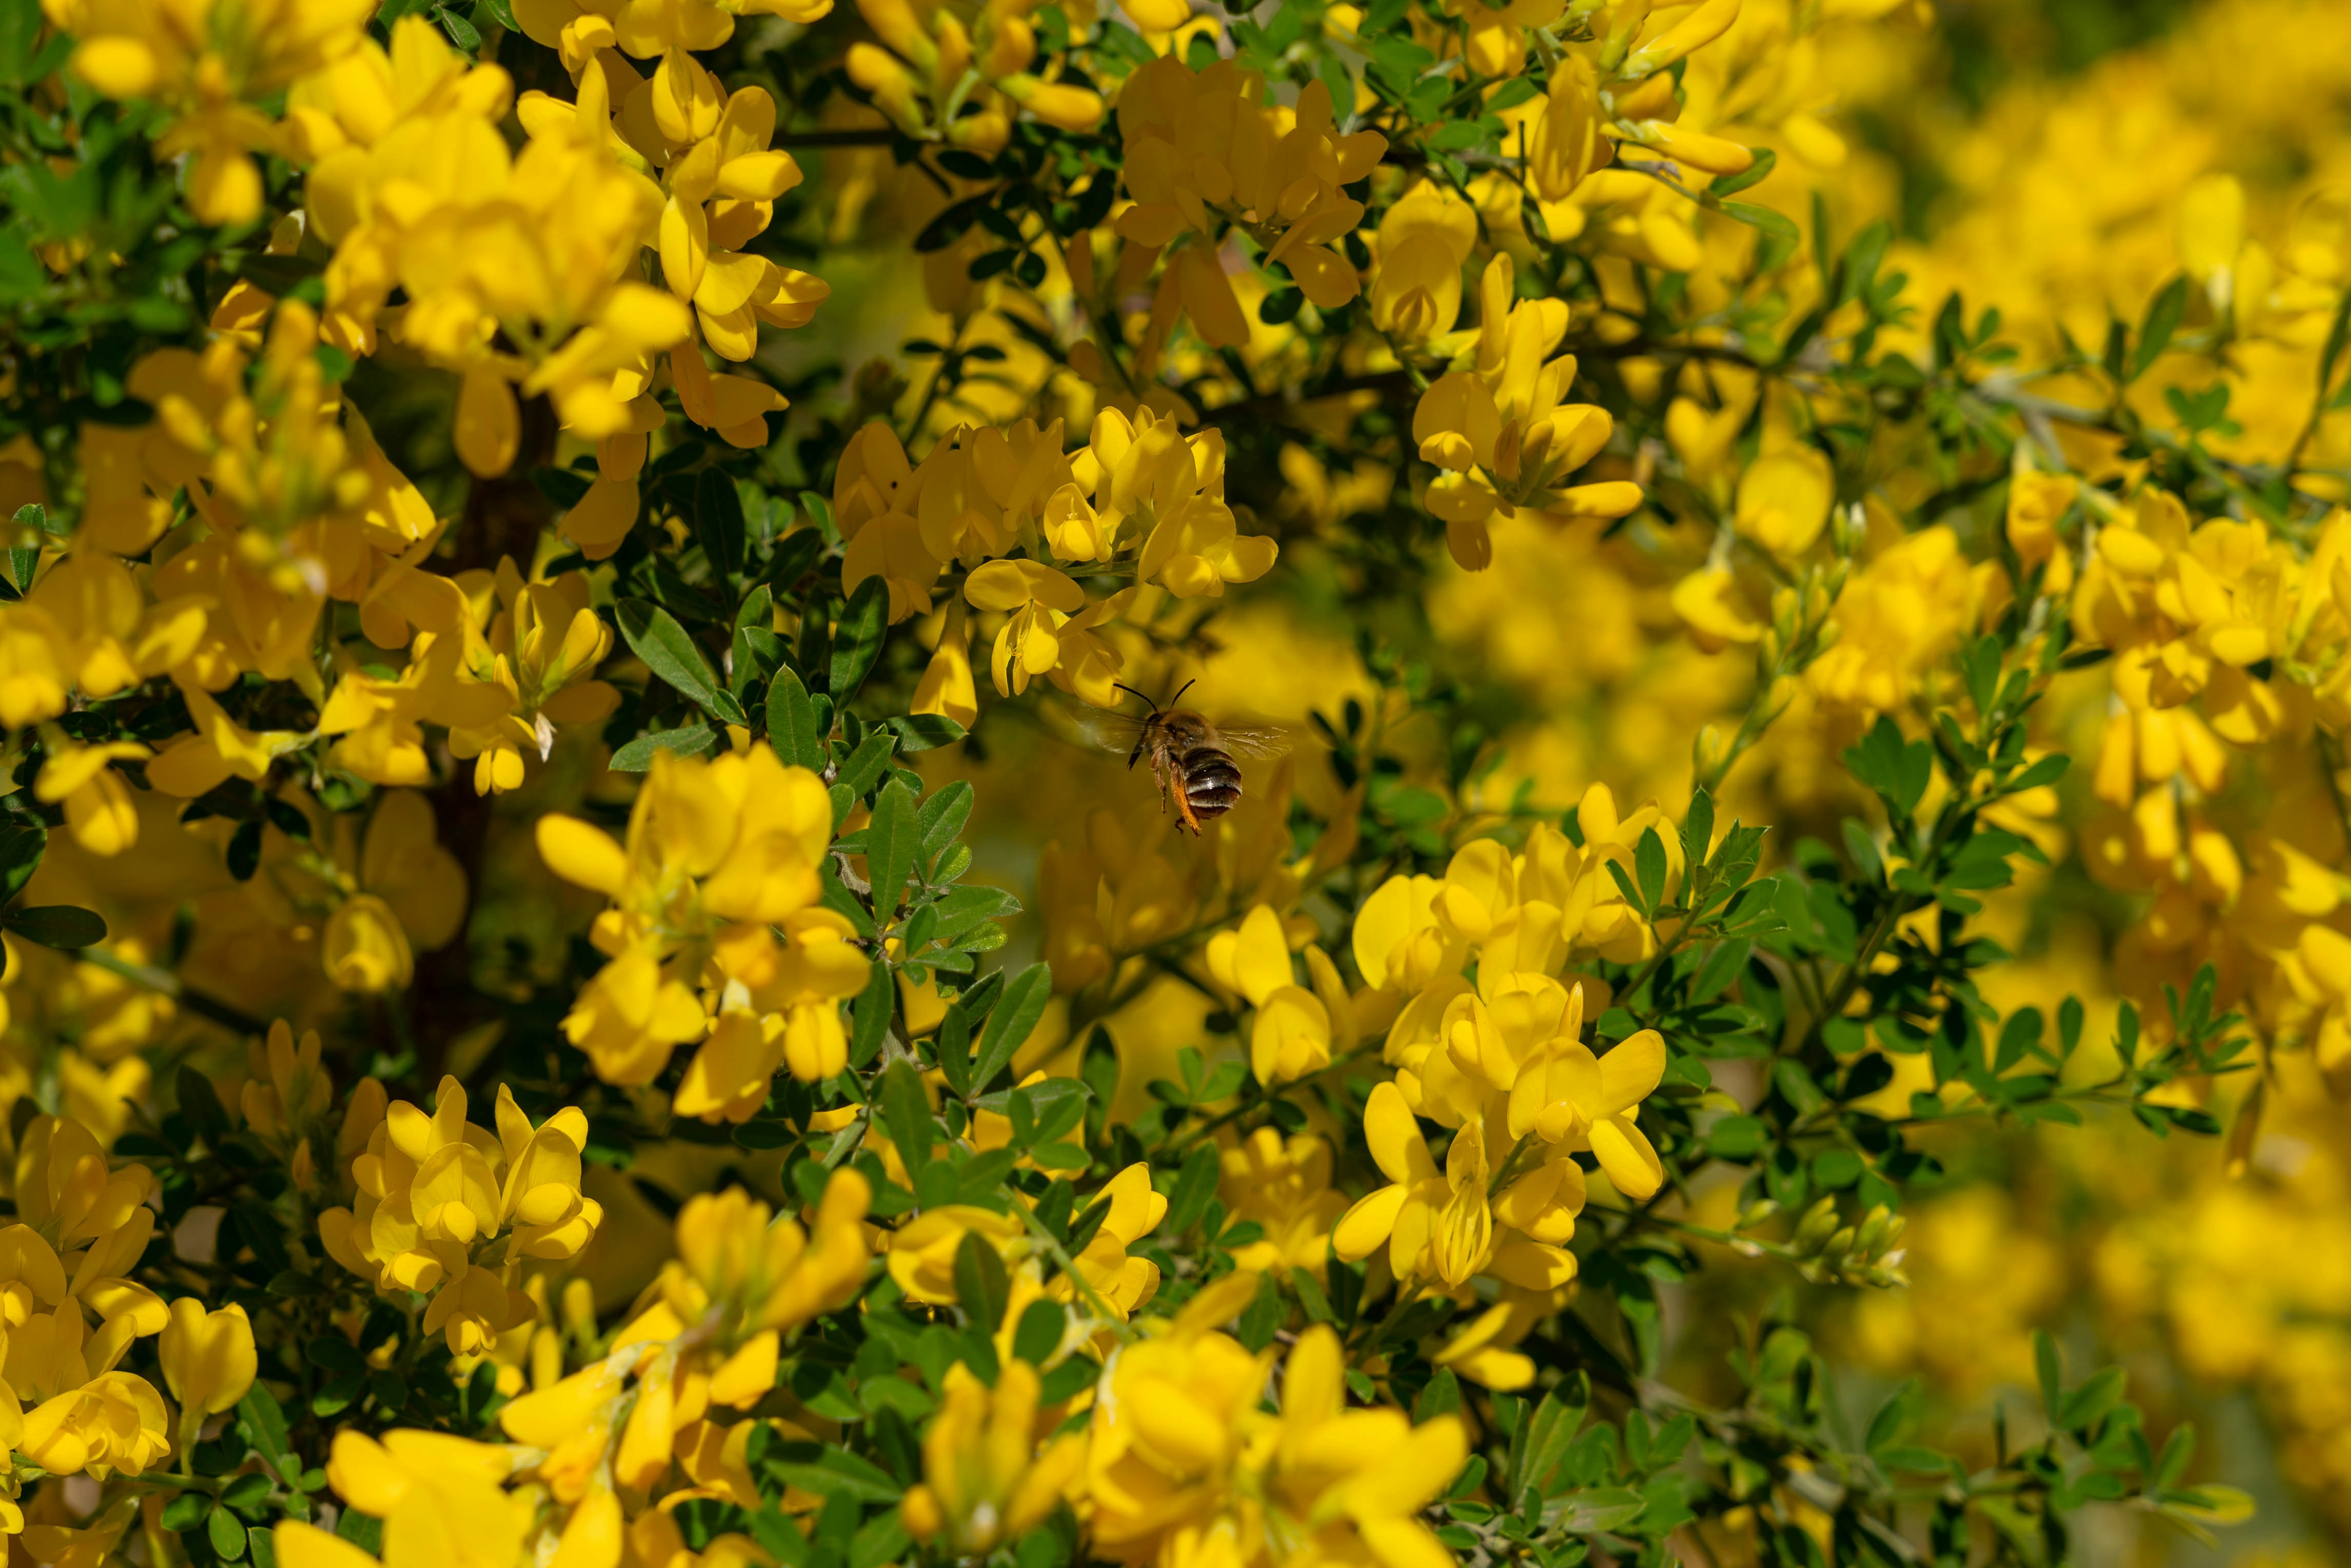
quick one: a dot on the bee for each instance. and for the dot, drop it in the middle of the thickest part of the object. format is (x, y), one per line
(1191, 759)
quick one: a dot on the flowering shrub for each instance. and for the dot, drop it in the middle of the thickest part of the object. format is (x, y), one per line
(579, 988)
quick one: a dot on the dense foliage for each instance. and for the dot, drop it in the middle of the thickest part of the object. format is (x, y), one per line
(581, 991)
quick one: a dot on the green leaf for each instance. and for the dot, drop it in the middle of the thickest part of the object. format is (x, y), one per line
(2088, 1405)
(906, 1115)
(952, 1048)
(2018, 1038)
(1899, 770)
(654, 636)
(925, 731)
(2162, 320)
(501, 12)
(1796, 1086)
(881, 1540)
(1724, 963)
(1009, 1024)
(1548, 1431)
(836, 1473)
(186, 1510)
(266, 1425)
(57, 925)
(941, 817)
(890, 845)
(228, 1534)
(1041, 1331)
(718, 524)
(1594, 1509)
(364, 1530)
(2044, 1362)
(22, 277)
(1441, 1395)
(462, 31)
(686, 740)
(1754, 173)
(982, 1287)
(20, 857)
(1779, 226)
(869, 1019)
(865, 764)
(1649, 866)
(792, 727)
(20, 34)
(857, 639)
(1697, 829)
(1195, 1185)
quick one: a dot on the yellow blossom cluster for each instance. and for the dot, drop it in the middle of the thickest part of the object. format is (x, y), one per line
(715, 933)
(538, 534)
(444, 1209)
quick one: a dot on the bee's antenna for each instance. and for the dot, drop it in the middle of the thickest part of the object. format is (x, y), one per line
(1187, 686)
(1121, 685)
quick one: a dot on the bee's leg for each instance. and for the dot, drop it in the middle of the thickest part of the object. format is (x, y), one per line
(1159, 772)
(1183, 809)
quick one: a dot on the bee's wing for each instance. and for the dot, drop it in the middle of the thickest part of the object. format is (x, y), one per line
(1109, 731)
(1263, 741)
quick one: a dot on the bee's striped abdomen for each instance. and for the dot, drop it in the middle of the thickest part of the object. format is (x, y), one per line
(1211, 783)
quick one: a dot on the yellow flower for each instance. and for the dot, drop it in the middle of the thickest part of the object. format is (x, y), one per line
(1448, 1226)
(288, 1091)
(1708, 601)
(437, 1495)
(1284, 1186)
(985, 67)
(1296, 1030)
(1184, 1460)
(1154, 487)
(2037, 503)
(113, 1423)
(710, 844)
(723, 182)
(1424, 239)
(212, 62)
(98, 804)
(1783, 499)
(541, 650)
(1503, 433)
(208, 1361)
(1203, 153)
(991, 1471)
(793, 1016)
(445, 1208)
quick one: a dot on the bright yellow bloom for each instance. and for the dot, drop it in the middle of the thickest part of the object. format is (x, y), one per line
(542, 649)
(212, 62)
(1184, 1467)
(1204, 152)
(208, 1361)
(710, 844)
(1296, 1030)
(1447, 1226)
(1423, 240)
(991, 1471)
(995, 51)
(437, 1495)
(98, 803)
(1503, 433)
(445, 1208)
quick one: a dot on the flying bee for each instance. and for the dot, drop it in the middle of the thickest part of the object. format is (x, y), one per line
(1191, 759)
